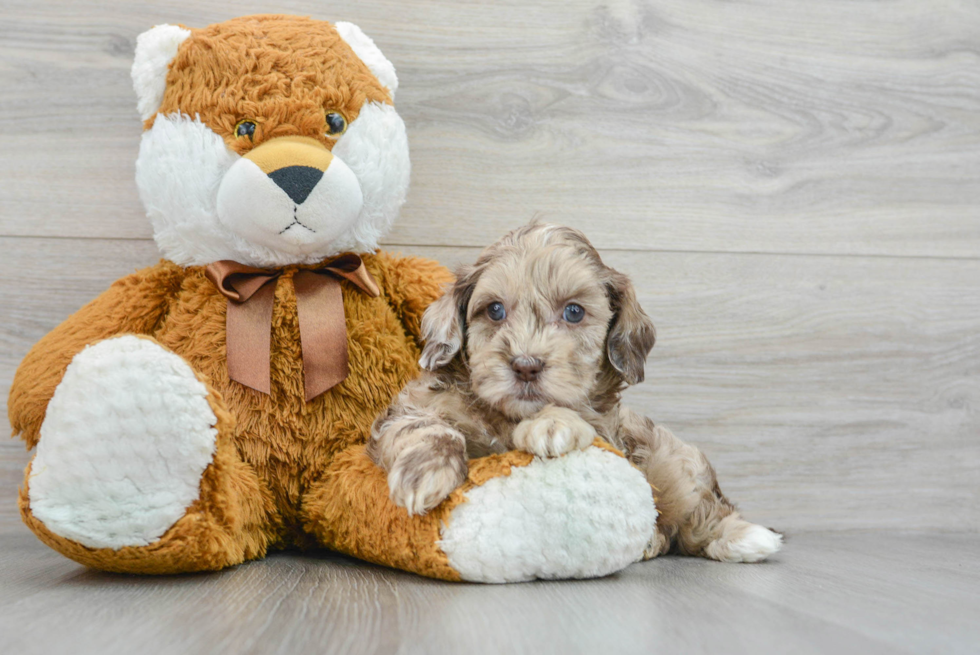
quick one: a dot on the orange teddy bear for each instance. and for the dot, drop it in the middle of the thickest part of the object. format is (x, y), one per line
(212, 407)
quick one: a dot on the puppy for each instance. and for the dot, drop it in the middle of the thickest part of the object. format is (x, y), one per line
(530, 349)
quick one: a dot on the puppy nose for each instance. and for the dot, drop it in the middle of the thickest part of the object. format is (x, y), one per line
(527, 368)
(297, 181)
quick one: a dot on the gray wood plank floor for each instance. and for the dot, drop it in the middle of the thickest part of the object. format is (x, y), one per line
(844, 592)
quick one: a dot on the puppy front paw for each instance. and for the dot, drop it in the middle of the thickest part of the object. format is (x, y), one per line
(423, 476)
(552, 432)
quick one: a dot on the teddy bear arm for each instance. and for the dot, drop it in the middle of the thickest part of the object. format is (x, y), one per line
(132, 305)
(411, 284)
(349, 510)
(515, 517)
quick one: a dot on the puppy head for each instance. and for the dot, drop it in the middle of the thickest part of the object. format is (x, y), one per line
(539, 319)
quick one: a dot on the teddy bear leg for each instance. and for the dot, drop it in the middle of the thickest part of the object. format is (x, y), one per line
(136, 470)
(516, 517)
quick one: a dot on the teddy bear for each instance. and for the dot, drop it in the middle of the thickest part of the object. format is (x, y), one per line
(215, 406)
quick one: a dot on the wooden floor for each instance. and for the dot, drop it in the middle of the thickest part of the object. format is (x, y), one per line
(794, 187)
(845, 592)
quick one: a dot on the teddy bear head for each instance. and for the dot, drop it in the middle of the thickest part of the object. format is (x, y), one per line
(268, 140)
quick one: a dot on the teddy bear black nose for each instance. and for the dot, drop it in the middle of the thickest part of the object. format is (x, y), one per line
(297, 181)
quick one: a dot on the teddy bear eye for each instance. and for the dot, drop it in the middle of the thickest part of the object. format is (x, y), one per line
(496, 311)
(573, 313)
(245, 128)
(336, 124)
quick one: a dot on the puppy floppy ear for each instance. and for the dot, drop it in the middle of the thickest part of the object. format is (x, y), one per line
(444, 322)
(631, 332)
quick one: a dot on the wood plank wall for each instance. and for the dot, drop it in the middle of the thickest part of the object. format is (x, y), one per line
(794, 187)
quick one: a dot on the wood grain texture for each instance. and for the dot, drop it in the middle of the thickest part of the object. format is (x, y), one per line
(794, 187)
(829, 392)
(692, 125)
(851, 592)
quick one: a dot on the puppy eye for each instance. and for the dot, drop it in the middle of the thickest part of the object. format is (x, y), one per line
(496, 311)
(336, 123)
(573, 313)
(245, 128)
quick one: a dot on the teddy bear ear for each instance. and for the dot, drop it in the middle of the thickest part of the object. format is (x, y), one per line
(155, 49)
(364, 48)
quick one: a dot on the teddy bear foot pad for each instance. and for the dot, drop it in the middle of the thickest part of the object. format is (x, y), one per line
(586, 514)
(127, 436)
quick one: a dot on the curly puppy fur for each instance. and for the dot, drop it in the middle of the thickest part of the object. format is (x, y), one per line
(530, 349)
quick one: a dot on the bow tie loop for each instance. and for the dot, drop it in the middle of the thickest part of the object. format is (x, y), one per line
(322, 326)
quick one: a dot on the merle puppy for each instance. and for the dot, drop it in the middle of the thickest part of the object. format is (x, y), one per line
(530, 349)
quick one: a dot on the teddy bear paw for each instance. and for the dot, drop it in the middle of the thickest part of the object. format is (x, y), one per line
(126, 438)
(584, 515)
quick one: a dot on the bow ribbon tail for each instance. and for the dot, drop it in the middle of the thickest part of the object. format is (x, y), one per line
(322, 330)
(249, 327)
(251, 294)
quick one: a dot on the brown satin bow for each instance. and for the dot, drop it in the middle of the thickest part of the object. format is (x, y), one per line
(319, 302)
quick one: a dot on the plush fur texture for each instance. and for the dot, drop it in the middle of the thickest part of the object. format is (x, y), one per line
(150, 460)
(126, 411)
(276, 448)
(257, 209)
(574, 527)
(155, 49)
(530, 349)
(364, 47)
(221, 76)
